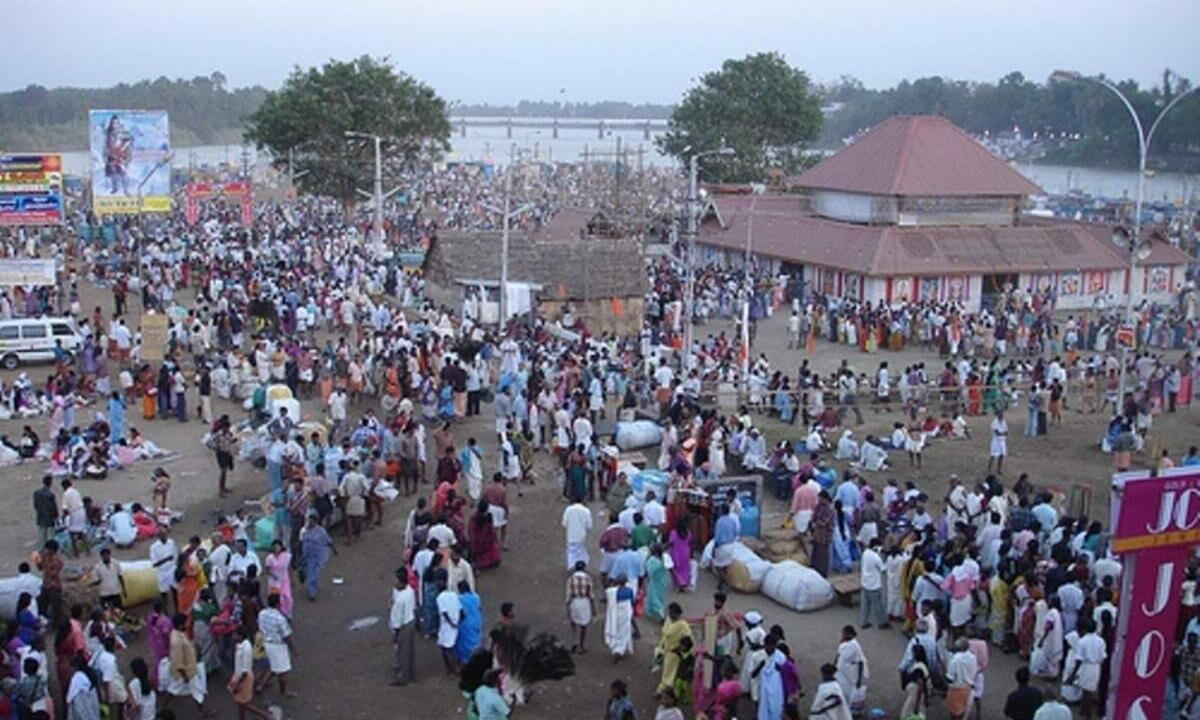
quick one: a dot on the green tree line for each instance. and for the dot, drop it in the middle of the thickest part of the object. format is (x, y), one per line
(203, 110)
(1106, 136)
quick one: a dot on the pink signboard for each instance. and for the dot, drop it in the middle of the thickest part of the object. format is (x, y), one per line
(1157, 512)
(1146, 632)
(1156, 524)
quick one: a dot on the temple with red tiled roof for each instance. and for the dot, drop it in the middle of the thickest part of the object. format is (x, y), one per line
(915, 210)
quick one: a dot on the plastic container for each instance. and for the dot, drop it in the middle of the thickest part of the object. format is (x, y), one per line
(264, 533)
(649, 481)
(749, 517)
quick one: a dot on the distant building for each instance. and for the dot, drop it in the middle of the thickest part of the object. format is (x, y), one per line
(573, 266)
(916, 209)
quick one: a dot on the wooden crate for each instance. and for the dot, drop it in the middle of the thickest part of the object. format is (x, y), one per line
(846, 588)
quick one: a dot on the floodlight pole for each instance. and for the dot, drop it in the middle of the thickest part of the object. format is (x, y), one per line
(1144, 139)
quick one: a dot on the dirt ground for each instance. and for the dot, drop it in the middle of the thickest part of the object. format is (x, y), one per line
(344, 674)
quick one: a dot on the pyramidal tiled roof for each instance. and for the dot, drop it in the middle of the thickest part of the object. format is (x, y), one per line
(916, 155)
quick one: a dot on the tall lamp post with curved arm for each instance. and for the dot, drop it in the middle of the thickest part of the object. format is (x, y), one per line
(1133, 243)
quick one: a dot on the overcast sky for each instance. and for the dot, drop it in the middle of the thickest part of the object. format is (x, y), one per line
(637, 50)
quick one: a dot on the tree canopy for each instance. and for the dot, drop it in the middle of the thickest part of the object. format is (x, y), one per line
(760, 106)
(1050, 110)
(311, 114)
(202, 111)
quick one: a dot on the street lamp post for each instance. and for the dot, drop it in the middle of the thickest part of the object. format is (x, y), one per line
(693, 212)
(1134, 242)
(749, 291)
(377, 195)
(506, 216)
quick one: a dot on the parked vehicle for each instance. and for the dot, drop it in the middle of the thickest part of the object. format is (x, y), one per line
(29, 340)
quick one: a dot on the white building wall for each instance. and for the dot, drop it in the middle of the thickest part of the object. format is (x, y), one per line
(876, 290)
(853, 207)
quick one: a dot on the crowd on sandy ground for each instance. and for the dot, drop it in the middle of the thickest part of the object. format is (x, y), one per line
(298, 306)
(470, 196)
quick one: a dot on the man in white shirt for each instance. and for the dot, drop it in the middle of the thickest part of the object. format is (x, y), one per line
(654, 513)
(999, 446)
(582, 430)
(960, 676)
(449, 609)
(459, 570)
(241, 561)
(663, 375)
(402, 622)
(443, 533)
(162, 556)
(121, 530)
(277, 642)
(337, 411)
(109, 579)
(871, 574)
(105, 665)
(218, 559)
(1052, 709)
(577, 520)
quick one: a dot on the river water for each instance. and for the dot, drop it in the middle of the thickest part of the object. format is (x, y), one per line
(492, 144)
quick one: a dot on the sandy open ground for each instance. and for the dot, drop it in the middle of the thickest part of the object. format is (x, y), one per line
(344, 674)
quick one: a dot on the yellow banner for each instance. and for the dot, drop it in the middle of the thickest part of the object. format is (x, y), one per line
(1141, 542)
(129, 205)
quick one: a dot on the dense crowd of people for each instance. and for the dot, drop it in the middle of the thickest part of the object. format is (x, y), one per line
(299, 307)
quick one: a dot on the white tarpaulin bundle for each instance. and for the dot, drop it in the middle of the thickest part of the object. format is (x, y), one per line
(795, 586)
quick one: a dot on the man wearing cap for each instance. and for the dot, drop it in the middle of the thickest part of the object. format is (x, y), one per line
(754, 652)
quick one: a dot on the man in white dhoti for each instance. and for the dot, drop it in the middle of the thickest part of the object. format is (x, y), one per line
(577, 521)
(618, 619)
(162, 556)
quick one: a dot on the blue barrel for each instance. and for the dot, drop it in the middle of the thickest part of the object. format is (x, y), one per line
(749, 517)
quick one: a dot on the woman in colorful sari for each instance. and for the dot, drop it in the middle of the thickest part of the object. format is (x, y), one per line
(190, 576)
(116, 418)
(203, 611)
(1025, 618)
(158, 635)
(785, 405)
(679, 543)
(845, 550)
(998, 615)
(485, 547)
(656, 583)
(674, 630)
(470, 628)
(279, 579)
(913, 569)
(721, 703)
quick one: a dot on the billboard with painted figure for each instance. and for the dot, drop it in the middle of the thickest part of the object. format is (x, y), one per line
(131, 161)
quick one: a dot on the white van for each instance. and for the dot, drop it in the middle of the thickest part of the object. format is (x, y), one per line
(26, 340)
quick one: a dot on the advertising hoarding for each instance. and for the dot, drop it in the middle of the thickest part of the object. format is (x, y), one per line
(31, 189)
(130, 161)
